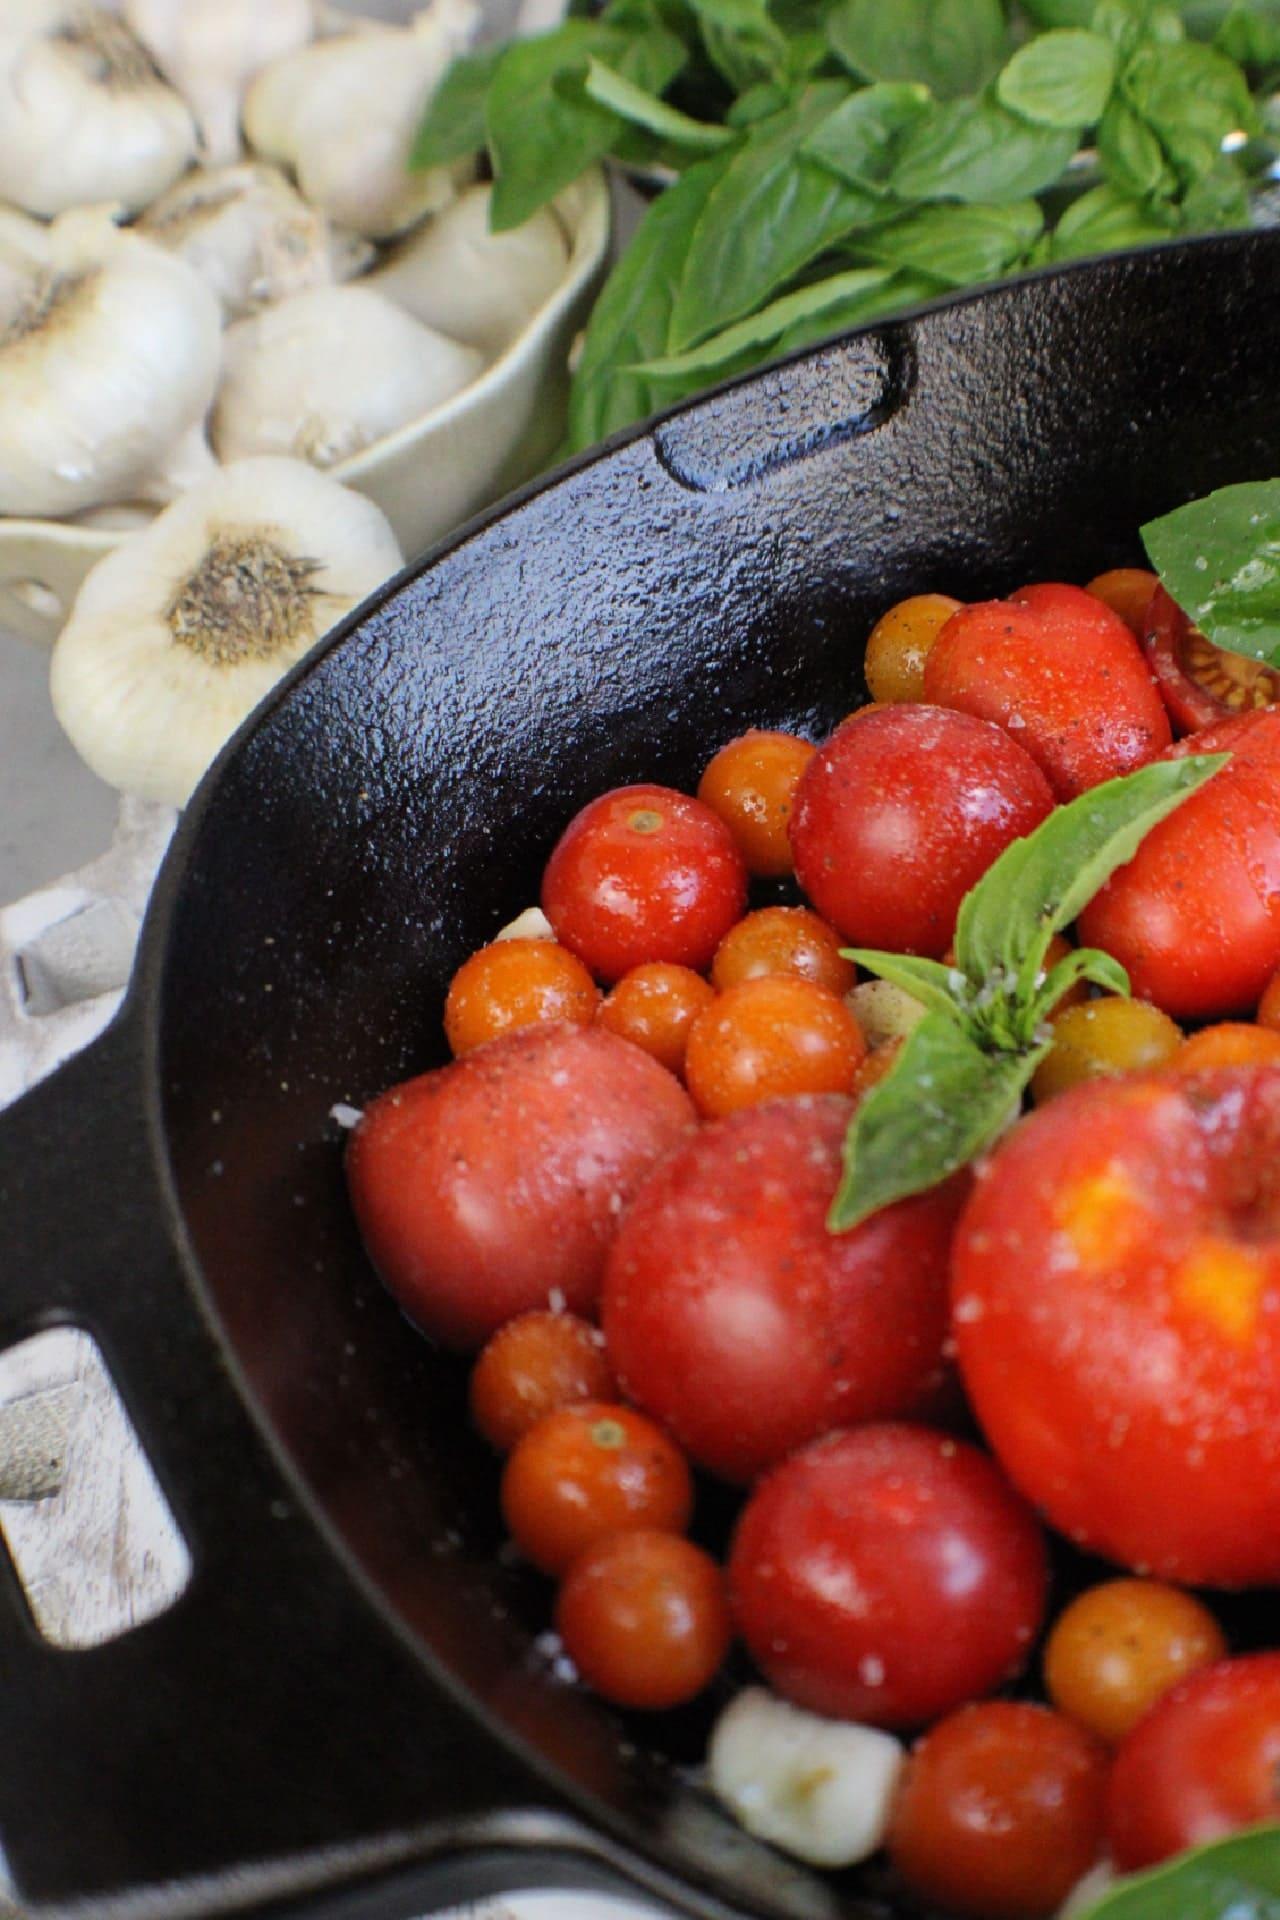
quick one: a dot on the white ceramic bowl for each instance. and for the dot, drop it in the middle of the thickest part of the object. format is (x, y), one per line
(427, 478)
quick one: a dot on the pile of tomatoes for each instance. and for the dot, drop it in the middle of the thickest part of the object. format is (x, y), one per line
(617, 1194)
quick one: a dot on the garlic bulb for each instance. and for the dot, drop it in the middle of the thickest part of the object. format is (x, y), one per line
(107, 368)
(325, 374)
(210, 50)
(251, 237)
(177, 634)
(85, 116)
(343, 114)
(476, 286)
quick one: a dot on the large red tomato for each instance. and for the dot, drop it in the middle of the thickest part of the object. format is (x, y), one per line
(734, 1317)
(887, 1574)
(1064, 671)
(1195, 916)
(900, 813)
(496, 1184)
(1116, 1297)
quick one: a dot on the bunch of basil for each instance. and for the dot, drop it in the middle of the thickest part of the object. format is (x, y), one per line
(836, 160)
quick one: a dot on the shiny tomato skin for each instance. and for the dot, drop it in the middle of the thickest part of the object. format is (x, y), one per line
(734, 1318)
(887, 1574)
(1203, 1763)
(1199, 683)
(487, 1187)
(643, 874)
(1195, 915)
(1056, 665)
(1116, 1299)
(587, 1471)
(897, 816)
(645, 1619)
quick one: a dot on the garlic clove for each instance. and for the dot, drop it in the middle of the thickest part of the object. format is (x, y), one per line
(819, 1789)
(23, 253)
(210, 50)
(310, 111)
(86, 115)
(107, 363)
(177, 634)
(476, 286)
(326, 374)
(128, 516)
(884, 1010)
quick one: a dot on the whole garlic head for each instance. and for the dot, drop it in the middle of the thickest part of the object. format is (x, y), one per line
(326, 374)
(251, 238)
(343, 114)
(210, 49)
(476, 286)
(176, 635)
(107, 368)
(85, 116)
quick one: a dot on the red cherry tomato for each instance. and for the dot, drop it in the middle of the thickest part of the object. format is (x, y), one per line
(1199, 683)
(1000, 1811)
(1059, 667)
(1116, 1290)
(587, 1471)
(644, 874)
(645, 1619)
(1204, 1762)
(887, 1574)
(487, 1187)
(900, 813)
(736, 1319)
(1195, 915)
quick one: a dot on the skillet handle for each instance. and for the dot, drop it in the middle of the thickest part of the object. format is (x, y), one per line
(270, 1732)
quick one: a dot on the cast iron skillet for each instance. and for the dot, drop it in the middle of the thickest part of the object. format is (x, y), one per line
(349, 1685)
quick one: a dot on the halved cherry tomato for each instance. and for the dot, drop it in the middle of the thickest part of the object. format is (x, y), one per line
(534, 1365)
(1120, 1646)
(590, 1470)
(644, 1617)
(1199, 683)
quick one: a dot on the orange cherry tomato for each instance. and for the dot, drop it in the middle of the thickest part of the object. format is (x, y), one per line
(1000, 1811)
(1231, 1043)
(771, 1037)
(782, 940)
(900, 643)
(587, 1471)
(516, 983)
(877, 1066)
(1103, 1039)
(1120, 1646)
(751, 784)
(537, 1363)
(1269, 1005)
(1127, 591)
(655, 1007)
(644, 1618)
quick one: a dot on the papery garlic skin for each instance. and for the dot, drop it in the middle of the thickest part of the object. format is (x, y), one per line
(85, 117)
(176, 635)
(106, 367)
(24, 250)
(211, 49)
(251, 237)
(327, 374)
(343, 114)
(478, 287)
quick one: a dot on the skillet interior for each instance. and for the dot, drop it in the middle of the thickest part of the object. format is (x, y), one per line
(396, 805)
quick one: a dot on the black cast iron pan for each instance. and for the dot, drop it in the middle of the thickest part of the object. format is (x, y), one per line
(348, 1689)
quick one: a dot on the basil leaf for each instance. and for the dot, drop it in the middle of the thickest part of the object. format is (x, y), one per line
(959, 244)
(1131, 155)
(757, 104)
(1127, 23)
(743, 43)
(1060, 79)
(977, 150)
(771, 213)
(1250, 37)
(1086, 963)
(902, 290)
(1218, 200)
(542, 136)
(1060, 13)
(941, 1103)
(1237, 1878)
(1220, 560)
(1040, 883)
(928, 981)
(763, 328)
(1104, 219)
(454, 123)
(952, 46)
(859, 141)
(631, 321)
(632, 103)
(1192, 97)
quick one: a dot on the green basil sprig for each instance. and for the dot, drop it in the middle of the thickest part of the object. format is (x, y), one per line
(1233, 1879)
(959, 1079)
(1219, 558)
